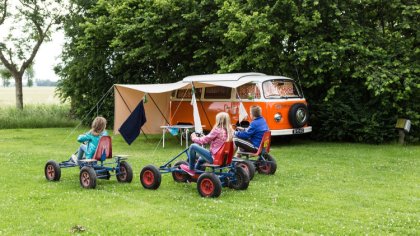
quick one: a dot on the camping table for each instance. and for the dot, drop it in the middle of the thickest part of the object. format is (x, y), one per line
(183, 128)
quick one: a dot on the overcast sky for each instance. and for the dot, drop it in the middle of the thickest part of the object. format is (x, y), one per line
(48, 56)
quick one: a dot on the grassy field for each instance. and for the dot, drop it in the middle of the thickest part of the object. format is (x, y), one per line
(319, 188)
(41, 109)
(36, 116)
(32, 95)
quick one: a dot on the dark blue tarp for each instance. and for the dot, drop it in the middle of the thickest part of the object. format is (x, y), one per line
(131, 127)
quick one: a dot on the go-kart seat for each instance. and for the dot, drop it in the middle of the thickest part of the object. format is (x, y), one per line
(264, 145)
(104, 149)
(224, 156)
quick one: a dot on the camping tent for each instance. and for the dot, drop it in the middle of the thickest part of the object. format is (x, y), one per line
(127, 97)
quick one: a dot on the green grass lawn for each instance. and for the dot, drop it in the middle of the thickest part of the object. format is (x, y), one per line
(319, 188)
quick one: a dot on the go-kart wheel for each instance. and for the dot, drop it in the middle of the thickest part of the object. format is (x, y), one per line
(180, 176)
(52, 171)
(209, 185)
(125, 173)
(87, 177)
(268, 167)
(150, 177)
(248, 166)
(241, 179)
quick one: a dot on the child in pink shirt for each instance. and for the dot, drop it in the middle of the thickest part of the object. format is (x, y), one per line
(221, 132)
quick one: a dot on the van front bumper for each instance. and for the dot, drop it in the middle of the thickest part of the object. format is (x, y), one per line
(297, 131)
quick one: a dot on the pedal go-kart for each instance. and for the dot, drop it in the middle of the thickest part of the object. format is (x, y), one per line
(264, 164)
(222, 173)
(95, 168)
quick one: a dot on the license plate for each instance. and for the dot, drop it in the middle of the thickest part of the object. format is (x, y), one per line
(298, 131)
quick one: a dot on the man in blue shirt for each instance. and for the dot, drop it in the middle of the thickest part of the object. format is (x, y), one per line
(249, 139)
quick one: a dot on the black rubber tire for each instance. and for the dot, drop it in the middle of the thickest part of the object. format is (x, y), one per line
(209, 185)
(125, 174)
(241, 180)
(180, 177)
(298, 109)
(52, 171)
(248, 166)
(150, 177)
(268, 168)
(87, 177)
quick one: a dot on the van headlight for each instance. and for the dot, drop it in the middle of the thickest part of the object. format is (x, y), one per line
(277, 117)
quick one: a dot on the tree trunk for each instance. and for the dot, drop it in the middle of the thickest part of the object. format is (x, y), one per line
(19, 92)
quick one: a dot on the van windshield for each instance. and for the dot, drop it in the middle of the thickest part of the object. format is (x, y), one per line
(280, 88)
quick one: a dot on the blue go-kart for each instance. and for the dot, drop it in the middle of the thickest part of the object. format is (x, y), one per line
(264, 162)
(210, 179)
(95, 168)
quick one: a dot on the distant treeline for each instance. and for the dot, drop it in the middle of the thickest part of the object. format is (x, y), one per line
(47, 83)
(44, 83)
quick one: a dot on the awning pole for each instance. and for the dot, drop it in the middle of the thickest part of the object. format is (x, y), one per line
(202, 107)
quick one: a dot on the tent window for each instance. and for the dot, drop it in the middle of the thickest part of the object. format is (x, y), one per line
(217, 93)
(187, 93)
(249, 91)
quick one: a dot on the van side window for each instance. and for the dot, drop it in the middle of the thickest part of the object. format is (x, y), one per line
(187, 93)
(248, 91)
(217, 92)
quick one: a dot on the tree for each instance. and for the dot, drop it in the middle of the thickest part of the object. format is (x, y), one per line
(5, 76)
(29, 23)
(366, 51)
(30, 74)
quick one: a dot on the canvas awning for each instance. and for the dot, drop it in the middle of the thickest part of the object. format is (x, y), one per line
(154, 88)
(127, 97)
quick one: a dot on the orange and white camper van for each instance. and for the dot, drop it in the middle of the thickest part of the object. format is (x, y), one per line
(283, 104)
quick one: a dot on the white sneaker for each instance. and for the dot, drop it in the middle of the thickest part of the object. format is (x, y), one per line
(74, 158)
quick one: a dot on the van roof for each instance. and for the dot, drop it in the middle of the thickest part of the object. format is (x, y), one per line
(251, 76)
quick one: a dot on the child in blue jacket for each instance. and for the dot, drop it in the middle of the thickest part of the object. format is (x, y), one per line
(249, 139)
(90, 139)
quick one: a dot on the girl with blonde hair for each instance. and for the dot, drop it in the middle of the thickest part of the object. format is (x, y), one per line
(222, 132)
(90, 139)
